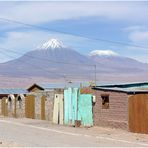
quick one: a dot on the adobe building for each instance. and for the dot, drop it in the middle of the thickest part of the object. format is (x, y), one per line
(46, 101)
(40, 100)
(12, 102)
(122, 106)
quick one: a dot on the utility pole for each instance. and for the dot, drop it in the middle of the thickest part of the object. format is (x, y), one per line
(95, 66)
(64, 76)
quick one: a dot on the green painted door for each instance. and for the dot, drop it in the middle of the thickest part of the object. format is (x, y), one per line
(70, 106)
(77, 107)
(85, 109)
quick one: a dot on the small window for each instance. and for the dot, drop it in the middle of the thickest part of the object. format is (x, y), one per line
(105, 101)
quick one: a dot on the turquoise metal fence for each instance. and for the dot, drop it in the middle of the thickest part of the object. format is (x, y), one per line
(77, 107)
(85, 109)
(67, 98)
(70, 105)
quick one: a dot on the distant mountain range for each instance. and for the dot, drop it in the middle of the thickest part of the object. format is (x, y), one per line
(55, 61)
(120, 64)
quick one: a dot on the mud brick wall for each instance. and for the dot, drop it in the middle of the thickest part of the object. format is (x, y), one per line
(86, 90)
(117, 114)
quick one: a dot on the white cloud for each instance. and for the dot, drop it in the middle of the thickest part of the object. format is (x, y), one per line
(134, 28)
(137, 33)
(24, 41)
(137, 36)
(41, 12)
(15, 44)
(20, 40)
(103, 53)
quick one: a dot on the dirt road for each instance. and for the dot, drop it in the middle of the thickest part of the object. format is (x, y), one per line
(28, 132)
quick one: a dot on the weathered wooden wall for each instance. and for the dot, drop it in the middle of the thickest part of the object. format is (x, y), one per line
(58, 110)
(138, 113)
(30, 106)
(4, 106)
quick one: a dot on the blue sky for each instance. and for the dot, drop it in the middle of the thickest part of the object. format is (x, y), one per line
(117, 21)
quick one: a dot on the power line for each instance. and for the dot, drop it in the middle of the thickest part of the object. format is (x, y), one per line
(34, 58)
(39, 67)
(8, 20)
(48, 60)
(3, 53)
(45, 59)
(72, 34)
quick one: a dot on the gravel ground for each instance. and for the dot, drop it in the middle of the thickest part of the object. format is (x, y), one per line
(4, 143)
(29, 132)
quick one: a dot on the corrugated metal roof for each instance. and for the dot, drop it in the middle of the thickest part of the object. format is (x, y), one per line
(139, 87)
(61, 85)
(12, 91)
(122, 89)
(127, 85)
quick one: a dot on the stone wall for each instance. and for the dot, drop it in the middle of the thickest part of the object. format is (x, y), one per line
(14, 107)
(0, 106)
(20, 106)
(48, 104)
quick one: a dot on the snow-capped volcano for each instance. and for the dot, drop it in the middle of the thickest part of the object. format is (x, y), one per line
(58, 62)
(47, 61)
(103, 53)
(113, 60)
(52, 44)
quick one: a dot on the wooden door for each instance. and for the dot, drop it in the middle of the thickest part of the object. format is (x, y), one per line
(30, 106)
(61, 109)
(43, 114)
(4, 106)
(58, 111)
(138, 113)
